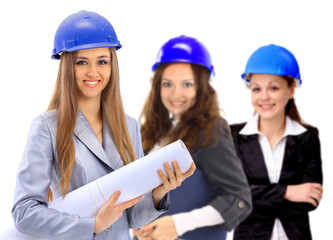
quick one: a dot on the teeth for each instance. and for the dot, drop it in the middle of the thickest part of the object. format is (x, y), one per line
(91, 82)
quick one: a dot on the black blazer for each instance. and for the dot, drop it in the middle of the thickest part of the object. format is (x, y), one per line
(301, 163)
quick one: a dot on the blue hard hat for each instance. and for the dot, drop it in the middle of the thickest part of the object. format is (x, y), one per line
(272, 59)
(186, 50)
(84, 30)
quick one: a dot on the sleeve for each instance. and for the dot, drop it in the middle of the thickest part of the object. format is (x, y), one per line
(30, 212)
(225, 174)
(268, 199)
(144, 211)
(197, 218)
(268, 202)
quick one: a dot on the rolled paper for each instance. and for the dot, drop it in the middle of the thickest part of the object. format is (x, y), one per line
(133, 180)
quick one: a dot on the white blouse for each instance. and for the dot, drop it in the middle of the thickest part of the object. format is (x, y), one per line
(273, 158)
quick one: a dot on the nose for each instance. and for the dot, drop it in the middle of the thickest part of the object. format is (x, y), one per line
(264, 95)
(176, 91)
(92, 71)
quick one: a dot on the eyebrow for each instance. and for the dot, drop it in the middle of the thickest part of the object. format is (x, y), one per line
(103, 56)
(269, 83)
(184, 80)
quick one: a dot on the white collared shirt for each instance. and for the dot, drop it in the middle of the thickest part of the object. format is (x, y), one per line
(273, 158)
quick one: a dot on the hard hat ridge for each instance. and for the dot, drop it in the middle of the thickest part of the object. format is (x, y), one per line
(272, 59)
(184, 49)
(84, 30)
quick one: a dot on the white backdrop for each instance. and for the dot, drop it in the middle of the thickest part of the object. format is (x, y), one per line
(231, 30)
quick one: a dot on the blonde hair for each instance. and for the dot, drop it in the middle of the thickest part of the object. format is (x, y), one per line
(64, 101)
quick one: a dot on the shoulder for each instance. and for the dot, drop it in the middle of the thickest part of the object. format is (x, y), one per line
(49, 119)
(221, 132)
(44, 126)
(133, 127)
(49, 116)
(311, 130)
(222, 126)
(309, 137)
(131, 122)
(237, 127)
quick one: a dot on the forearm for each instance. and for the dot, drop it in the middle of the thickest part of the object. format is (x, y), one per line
(145, 211)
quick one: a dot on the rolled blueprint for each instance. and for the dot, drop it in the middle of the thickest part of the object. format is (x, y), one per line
(133, 180)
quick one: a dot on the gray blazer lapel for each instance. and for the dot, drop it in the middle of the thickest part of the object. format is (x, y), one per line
(110, 147)
(85, 133)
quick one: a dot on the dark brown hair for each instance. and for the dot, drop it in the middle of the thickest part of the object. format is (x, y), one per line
(201, 117)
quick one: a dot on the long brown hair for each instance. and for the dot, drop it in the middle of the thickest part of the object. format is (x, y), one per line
(201, 117)
(64, 100)
(292, 111)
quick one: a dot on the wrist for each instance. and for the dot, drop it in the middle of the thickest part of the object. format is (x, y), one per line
(157, 197)
(97, 227)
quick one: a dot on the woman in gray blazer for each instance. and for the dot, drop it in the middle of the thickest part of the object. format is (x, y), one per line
(84, 135)
(183, 104)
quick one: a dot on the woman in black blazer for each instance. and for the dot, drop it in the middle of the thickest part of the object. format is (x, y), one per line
(279, 153)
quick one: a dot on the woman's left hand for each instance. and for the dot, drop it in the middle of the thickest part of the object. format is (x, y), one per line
(175, 180)
(161, 229)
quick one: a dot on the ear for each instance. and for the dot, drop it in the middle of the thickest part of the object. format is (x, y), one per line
(292, 90)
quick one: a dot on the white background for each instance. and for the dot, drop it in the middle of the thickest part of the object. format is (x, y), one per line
(231, 30)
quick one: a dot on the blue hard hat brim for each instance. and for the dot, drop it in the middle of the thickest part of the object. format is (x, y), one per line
(243, 76)
(87, 46)
(211, 70)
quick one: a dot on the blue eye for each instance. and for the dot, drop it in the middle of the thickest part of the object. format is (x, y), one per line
(166, 84)
(188, 84)
(255, 89)
(275, 88)
(102, 62)
(81, 62)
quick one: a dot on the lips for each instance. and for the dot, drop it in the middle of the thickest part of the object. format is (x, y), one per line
(177, 104)
(266, 106)
(91, 83)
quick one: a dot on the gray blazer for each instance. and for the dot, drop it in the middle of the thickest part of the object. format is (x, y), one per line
(38, 171)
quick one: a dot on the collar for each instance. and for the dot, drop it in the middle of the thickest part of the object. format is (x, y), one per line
(292, 127)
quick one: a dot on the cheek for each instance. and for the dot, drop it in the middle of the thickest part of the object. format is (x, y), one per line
(253, 99)
(164, 93)
(192, 97)
(284, 99)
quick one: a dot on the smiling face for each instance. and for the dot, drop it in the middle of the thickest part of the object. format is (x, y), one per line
(178, 88)
(270, 95)
(92, 72)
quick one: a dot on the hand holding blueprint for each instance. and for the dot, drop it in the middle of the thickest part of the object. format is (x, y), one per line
(133, 180)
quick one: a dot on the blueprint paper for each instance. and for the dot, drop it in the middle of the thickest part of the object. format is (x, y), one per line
(133, 180)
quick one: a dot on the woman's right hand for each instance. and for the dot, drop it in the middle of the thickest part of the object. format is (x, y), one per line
(306, 192)
(110, 213)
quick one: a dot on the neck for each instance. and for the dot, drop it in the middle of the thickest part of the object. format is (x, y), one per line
(273, 129)
(272, 126)
(91, 108)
